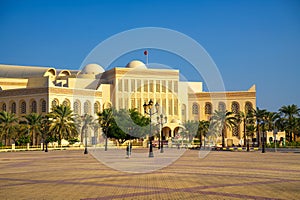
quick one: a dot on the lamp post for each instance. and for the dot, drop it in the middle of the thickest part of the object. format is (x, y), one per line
(275, 133)
(263, 150)
(85, 145)
(148, 110)
(84, 128)
(129, 143)
(246, 140)
(161, 124)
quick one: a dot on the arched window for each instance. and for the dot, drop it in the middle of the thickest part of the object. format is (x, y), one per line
(54, 103)
(76, 107)
(195, 109)
(66, 102)
(44, 106)
(208, 108)
(87, 107)
(3, 107)
(13, 108)
(33, 107)
(107, 105)
(248, 107)
(96, 107)
(23, 107)
(235, 107)
(236, 131)
(222, 107)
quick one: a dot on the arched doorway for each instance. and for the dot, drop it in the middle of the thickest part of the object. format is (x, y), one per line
(166, 132)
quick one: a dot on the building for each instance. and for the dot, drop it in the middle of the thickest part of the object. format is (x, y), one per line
(25, 89)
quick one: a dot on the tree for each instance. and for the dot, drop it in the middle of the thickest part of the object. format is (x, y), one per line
(106, 121)
(34, 123)
(221, 120)
(250, 130)
(290, 113)
(128, 124)
(62, 123)
(87, 122)
(8, 125)
(139, 123)
(191, 129)
(247, 119)
(45, 133)
(271, 120)
(260, 116)
(203, 128)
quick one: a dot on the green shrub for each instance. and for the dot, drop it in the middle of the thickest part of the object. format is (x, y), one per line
(73, 141)
(23, 140)
(293, 144)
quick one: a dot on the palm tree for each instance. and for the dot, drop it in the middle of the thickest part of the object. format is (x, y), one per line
(34, 123)
(250, 130)
(8, 123)
(247, 119)
(87, 122)
(203, 130)
(260, 117)
(221, 120)
(191, 129)
(106, 120)
(289, 113)
(45, 133)
(271, 120)
(62, 123)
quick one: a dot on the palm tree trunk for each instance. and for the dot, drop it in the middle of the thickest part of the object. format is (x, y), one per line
(294, 137)
(33, 138)
(257, 135)
(223, 138)
(244, 132)
(200, 139)
(5, 140)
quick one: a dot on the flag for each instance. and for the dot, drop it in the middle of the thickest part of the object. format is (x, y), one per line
(146, 53)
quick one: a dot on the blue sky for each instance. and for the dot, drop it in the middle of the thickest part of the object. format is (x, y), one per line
(251, 42)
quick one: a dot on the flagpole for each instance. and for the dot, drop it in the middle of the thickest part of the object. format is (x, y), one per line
(146, 54)
(147, 58)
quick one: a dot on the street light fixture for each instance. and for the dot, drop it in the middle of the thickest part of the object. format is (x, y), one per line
(85, 135)
(129, 146)
(274, 134)
(246, 140)
(263, 149)
(161, 123)
(148, 110)
(84, 128)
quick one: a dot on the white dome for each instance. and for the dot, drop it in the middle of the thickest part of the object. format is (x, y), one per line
(92, 69)
(136, 64)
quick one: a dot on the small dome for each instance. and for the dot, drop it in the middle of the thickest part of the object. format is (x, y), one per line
(92, 69)
(136, 64)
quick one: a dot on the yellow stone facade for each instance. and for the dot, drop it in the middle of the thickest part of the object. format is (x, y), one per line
(25, 89)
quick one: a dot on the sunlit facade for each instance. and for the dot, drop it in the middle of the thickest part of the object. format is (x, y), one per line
(25, 89)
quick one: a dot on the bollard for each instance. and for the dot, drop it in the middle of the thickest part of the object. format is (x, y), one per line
(28, 146)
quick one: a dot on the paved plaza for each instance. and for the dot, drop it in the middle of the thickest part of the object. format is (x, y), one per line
(69, 174)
